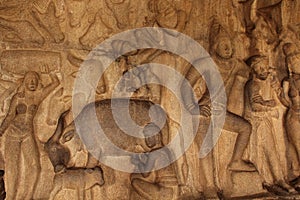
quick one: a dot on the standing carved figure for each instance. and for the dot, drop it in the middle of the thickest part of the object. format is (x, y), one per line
(235, 74)
(291, 87)
(20, 138)
(261, 108)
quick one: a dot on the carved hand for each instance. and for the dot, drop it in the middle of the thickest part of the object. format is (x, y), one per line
(270, 103)
(44, 69)
(205, 111)
(258, 99)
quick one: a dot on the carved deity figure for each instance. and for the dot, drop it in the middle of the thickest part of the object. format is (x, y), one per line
(261, 108)
(291, 87)
(234, 74)
(159, 184)
(20, 137)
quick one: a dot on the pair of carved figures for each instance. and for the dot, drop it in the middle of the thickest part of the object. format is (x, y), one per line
(261, 99)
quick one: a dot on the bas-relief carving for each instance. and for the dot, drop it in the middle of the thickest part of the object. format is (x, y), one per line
(258, 152)
(81, 180)
(20, 141)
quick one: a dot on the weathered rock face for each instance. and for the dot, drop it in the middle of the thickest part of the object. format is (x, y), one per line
(149, 99)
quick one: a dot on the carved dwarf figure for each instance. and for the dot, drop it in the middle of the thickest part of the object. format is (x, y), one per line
(20, 137)
(261, 107)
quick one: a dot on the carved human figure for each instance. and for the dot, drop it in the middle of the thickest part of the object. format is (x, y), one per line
(235, 74)
(170, 15)
(159, 184)
(261, 107)
(291, 87)
(203, 177)
(49, 22)
(20, 138)
(81, 180)
(165, 14)
(41, 16)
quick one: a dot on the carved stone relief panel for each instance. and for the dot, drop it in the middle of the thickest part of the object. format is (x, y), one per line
(149, 99)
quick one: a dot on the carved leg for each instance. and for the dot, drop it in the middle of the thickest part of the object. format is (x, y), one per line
(90, 193)
(12, 164)
(81, 193)
(54, 192)
(32, 165)
(292, 127)
(237, 124)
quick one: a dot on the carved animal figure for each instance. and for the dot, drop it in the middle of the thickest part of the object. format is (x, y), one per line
(19, 31)
(81, 180)
(66, 149)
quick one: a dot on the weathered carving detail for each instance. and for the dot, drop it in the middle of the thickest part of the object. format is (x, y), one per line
(255, 45)
(81, 180)
(262, 107)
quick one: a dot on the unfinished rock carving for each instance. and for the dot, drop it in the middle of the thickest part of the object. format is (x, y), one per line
(255, 46)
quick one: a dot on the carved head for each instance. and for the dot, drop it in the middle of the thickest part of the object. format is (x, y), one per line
(292, 58)
(224, 47)
(31, 81)
(152, 135)
(220, 41)
(260, 66)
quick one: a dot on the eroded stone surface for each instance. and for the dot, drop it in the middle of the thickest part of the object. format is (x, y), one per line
(44, 44)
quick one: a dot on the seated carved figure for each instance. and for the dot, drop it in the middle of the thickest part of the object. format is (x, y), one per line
(160, 184)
